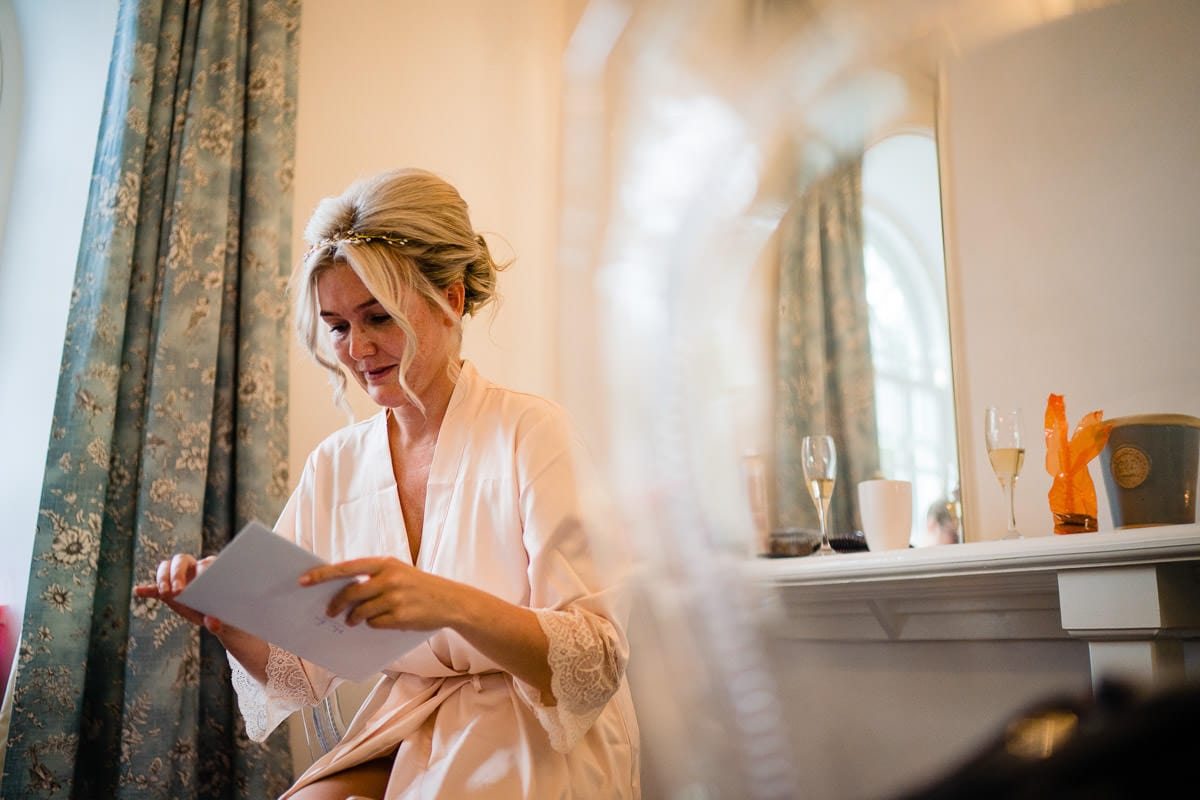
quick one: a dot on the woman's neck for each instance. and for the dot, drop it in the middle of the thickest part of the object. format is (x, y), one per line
(415, 427)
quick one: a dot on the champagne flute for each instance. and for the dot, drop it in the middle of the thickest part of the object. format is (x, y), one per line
(1006, 451)
(820, 469)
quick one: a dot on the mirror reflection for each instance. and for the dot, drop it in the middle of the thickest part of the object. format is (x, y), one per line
(862, 340)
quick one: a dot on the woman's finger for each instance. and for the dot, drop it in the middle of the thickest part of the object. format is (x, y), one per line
(343, 569)
(370, 608)
(172, 576)
(162, 577)
(352, 594)
(183, 567)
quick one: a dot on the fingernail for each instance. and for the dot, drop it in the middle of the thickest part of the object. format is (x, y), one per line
(178, 586)
(305, 580)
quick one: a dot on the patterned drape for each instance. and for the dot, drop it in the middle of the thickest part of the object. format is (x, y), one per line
(170, 425)
(825, 383)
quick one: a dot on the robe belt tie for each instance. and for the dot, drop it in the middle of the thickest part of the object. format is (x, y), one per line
(492, 679)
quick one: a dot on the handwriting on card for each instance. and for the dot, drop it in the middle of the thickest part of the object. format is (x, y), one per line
(330, 624)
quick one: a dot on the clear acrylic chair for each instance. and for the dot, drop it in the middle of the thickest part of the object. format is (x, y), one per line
(325, 723)
(324, 726)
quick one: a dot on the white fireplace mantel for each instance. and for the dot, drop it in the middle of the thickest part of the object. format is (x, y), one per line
(1132, 595)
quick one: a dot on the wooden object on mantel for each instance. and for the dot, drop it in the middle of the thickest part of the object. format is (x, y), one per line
(1132, 595)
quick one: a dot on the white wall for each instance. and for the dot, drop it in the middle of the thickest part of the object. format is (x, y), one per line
(65, 47)
(1070, 164)
(469, 89)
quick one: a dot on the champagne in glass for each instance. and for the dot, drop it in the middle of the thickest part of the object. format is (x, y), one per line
(1006, 452)
(820, 469)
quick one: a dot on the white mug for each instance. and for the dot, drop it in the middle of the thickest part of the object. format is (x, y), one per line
(885, 507)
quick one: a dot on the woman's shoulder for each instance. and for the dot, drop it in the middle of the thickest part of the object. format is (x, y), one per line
(514, 406)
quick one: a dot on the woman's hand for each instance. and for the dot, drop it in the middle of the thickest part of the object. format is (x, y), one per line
(389, 593)
(171, 578)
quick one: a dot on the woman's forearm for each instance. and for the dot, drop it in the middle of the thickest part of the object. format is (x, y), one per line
(250, 651)
(509, 635)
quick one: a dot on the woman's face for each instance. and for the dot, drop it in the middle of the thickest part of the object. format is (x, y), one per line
(369, 342)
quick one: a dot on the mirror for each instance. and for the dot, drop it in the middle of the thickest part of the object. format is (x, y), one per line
(863, 333)
(877, 118)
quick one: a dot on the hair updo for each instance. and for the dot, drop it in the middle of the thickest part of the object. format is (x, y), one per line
(401, 231)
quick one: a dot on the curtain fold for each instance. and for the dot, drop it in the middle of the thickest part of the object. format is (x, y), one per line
(170, 424)
(825, 382)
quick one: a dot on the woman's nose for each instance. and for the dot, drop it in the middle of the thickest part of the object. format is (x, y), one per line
(361, 345)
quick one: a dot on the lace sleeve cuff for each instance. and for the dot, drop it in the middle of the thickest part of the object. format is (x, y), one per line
(287, 689)
(585, 671)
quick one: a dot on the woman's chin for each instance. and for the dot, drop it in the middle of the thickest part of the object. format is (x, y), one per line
(386, 395)
(390, 397)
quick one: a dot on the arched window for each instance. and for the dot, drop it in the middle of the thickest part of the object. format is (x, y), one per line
(906, 295)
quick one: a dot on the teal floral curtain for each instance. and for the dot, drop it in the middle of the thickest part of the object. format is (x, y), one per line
(170, 426)
(825, 381)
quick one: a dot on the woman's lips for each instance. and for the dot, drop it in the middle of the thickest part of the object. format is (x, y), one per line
(377, 375)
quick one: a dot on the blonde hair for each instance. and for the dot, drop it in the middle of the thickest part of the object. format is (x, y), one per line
(401, 231)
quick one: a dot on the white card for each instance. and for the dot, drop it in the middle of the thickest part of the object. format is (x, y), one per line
(253, 585)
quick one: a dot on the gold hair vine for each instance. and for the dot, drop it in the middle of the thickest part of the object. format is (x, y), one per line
(353, 237)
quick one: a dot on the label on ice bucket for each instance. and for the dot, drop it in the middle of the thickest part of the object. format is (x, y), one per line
(1130, 466)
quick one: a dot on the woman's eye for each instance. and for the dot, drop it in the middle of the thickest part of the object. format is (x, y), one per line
(338, 329)
(381, 319)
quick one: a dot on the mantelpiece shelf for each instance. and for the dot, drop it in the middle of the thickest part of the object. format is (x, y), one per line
(1133, 595)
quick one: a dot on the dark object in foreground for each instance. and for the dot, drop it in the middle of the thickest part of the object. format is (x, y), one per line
(1120, 743)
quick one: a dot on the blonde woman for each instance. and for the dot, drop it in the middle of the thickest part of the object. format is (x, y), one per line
(458, 507)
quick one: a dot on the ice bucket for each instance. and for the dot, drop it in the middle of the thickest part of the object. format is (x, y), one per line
(1149, 466)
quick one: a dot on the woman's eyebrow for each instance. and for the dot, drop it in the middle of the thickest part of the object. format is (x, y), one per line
(359, 307)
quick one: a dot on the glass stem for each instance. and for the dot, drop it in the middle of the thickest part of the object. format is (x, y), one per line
(1012, 512)
(822, 514)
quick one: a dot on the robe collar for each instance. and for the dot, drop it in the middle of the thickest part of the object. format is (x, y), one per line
(446, 466)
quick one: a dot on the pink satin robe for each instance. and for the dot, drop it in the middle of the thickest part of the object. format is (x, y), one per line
(503, 513)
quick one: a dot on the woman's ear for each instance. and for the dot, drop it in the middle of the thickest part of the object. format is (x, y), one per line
(456, 296)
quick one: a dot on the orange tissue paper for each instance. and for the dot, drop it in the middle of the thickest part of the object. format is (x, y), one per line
(1072, 494)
